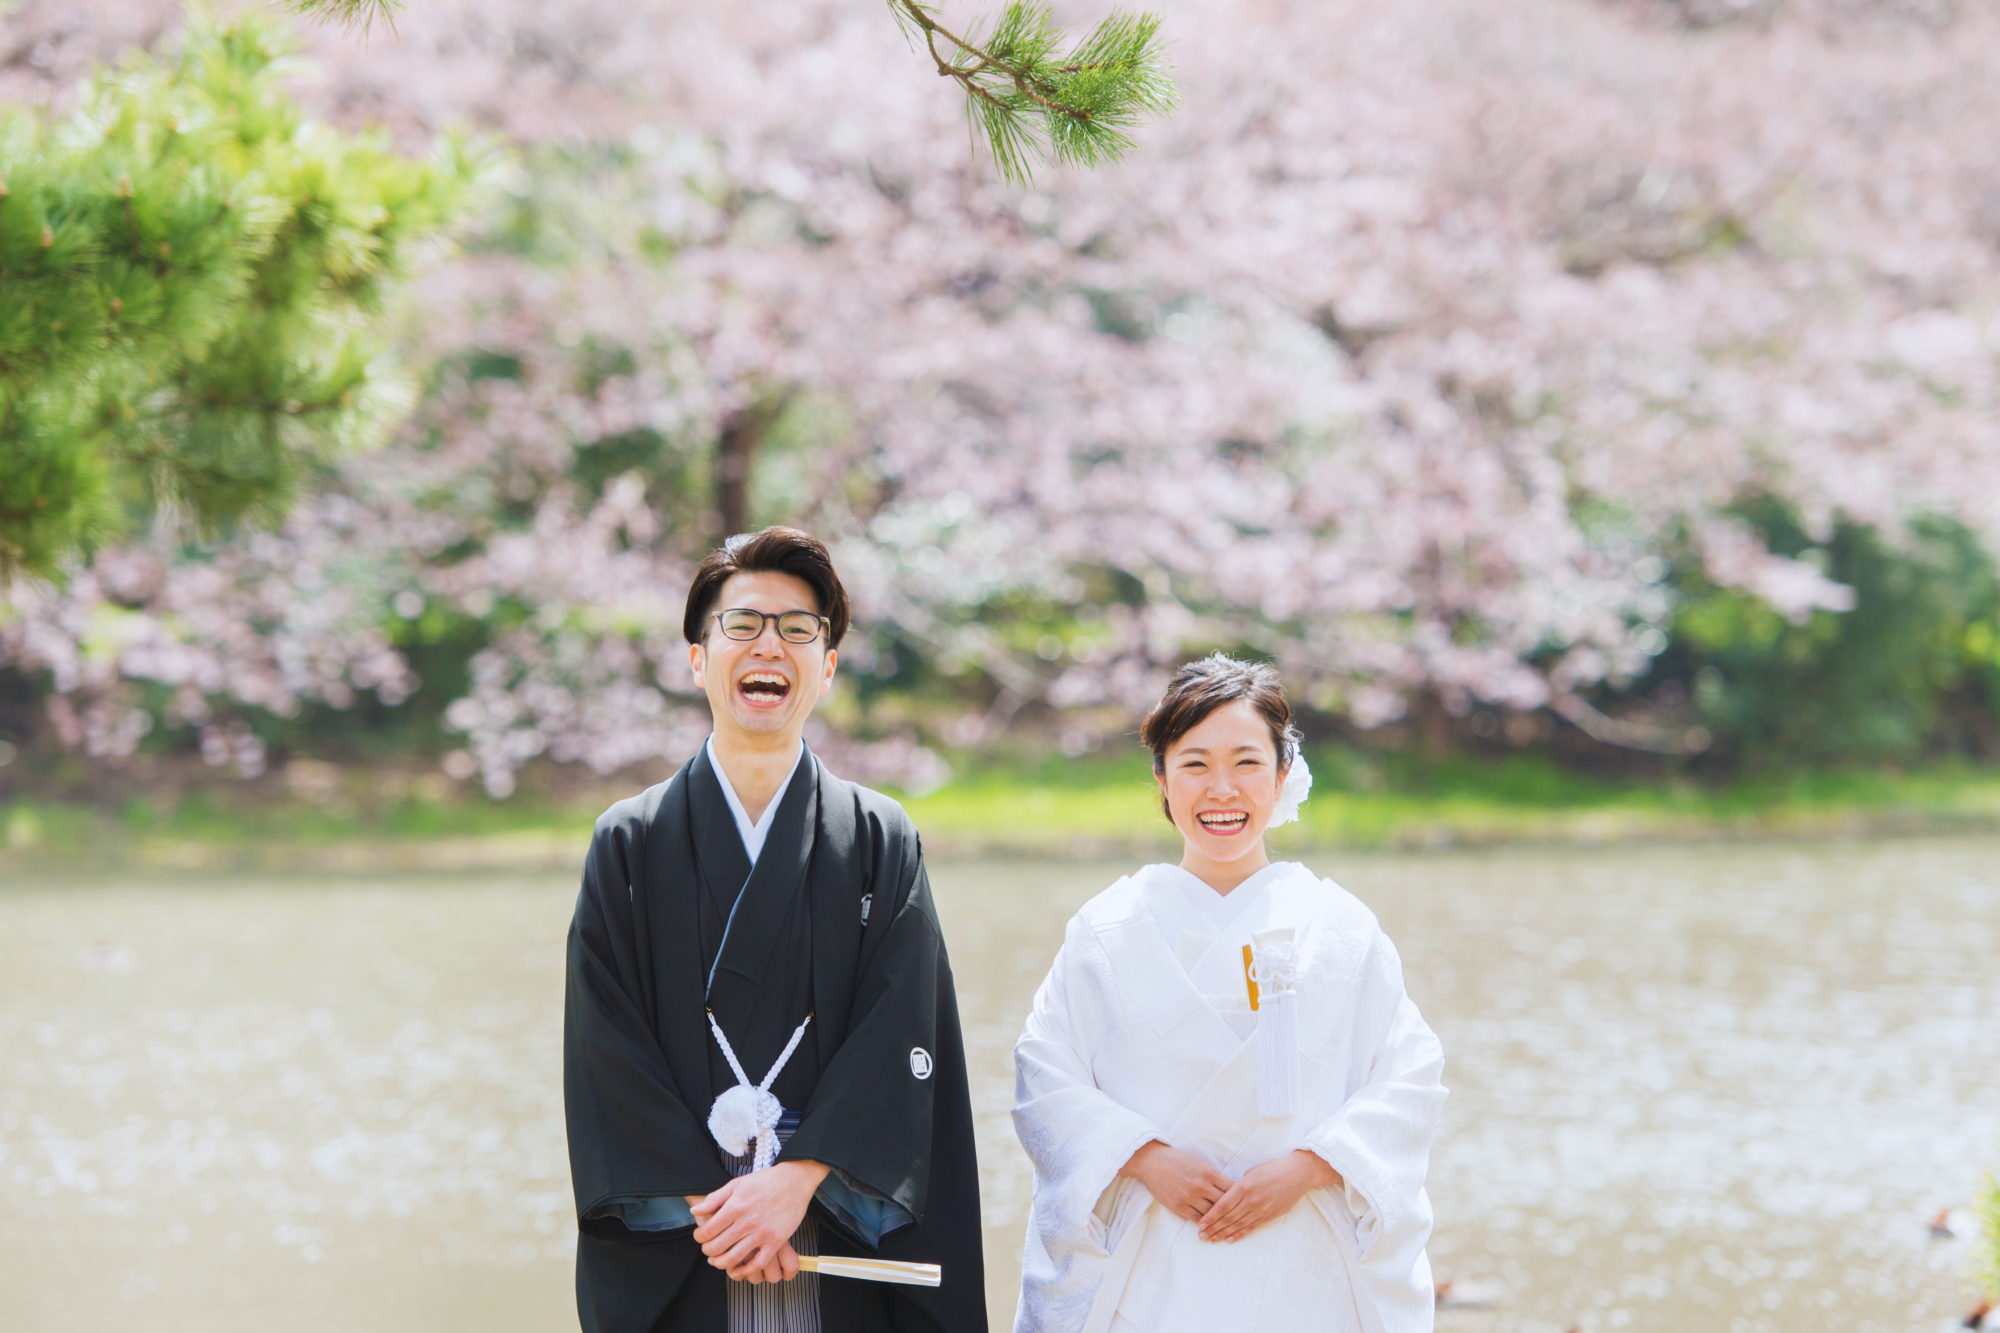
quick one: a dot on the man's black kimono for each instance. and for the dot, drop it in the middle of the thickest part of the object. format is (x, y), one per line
(836, 920)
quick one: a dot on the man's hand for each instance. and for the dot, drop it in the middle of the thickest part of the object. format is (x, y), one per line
(1266, 1192)
(745, 1228)
(1179, 1181)
(781, 1268)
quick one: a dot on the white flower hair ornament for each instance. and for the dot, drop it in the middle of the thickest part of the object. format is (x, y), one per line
(1298, 786)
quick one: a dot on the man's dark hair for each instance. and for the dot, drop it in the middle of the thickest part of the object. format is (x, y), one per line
(772, 551)
(1199, 688)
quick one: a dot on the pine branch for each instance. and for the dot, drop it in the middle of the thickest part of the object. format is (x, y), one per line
(1036, 105)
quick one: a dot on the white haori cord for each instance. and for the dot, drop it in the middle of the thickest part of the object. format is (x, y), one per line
(749, 1111)
(1275, 969)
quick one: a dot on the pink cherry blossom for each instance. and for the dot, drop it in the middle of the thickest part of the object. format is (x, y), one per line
(1407, 351)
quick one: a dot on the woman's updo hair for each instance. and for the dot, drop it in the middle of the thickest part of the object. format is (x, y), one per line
(1199, 688)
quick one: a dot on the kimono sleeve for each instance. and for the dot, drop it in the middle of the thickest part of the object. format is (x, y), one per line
(1076, 1135)
(635, 1147)
(891, 1114)
(1379, 1140)
(873, 1115)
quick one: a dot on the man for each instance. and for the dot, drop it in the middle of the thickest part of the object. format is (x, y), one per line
(757, 925)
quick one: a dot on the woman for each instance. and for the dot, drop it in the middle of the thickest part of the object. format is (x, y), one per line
(1226, 1093)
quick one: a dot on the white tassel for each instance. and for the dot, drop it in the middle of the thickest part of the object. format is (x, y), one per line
(1275, 968)
(744, 1115)
(749, 1112)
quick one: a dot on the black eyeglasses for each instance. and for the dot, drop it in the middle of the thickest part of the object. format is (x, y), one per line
(743, 624)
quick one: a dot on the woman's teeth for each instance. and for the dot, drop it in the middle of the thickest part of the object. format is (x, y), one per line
(1224, 823)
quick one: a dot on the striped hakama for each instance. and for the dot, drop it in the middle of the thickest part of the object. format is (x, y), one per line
(777, 1307)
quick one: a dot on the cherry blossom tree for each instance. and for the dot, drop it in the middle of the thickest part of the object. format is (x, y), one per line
(1417, 350)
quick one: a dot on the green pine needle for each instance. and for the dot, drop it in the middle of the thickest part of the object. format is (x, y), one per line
(1037, 106)
(351, 14)
(192, 308)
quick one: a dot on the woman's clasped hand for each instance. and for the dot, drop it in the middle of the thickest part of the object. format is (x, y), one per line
(1225, 1209)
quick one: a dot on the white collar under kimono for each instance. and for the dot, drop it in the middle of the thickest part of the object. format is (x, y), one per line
(754, 832)
(1192, 915)
(1253, 999)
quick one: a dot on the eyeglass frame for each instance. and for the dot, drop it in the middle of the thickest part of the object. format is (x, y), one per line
(772, 618)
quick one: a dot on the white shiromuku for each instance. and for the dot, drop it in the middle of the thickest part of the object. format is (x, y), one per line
(1143, 1030)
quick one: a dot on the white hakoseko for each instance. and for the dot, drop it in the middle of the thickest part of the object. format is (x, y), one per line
(1143, 1030)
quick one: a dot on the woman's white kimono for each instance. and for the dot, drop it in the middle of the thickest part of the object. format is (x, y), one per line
(1142, 1031)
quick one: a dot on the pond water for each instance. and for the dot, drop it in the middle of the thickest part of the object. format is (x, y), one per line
(1697, 1088)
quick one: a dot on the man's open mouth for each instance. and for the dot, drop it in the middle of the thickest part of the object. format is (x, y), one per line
(763, 689)
(1224, 821)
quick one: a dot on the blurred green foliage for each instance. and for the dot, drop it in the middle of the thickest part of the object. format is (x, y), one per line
(1987, 1208)
(193, 287)
(1912, 671)
(1051, 806)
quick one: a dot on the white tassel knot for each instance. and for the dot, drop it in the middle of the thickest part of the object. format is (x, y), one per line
(743, 1115)
(1275, 969)
(749, 1112)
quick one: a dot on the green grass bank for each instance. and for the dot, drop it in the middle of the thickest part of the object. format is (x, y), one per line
(362, 820)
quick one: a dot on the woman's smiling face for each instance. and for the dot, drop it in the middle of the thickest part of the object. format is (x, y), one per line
(1222, 781)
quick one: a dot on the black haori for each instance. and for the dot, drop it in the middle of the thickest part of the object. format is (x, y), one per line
(666, 873)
